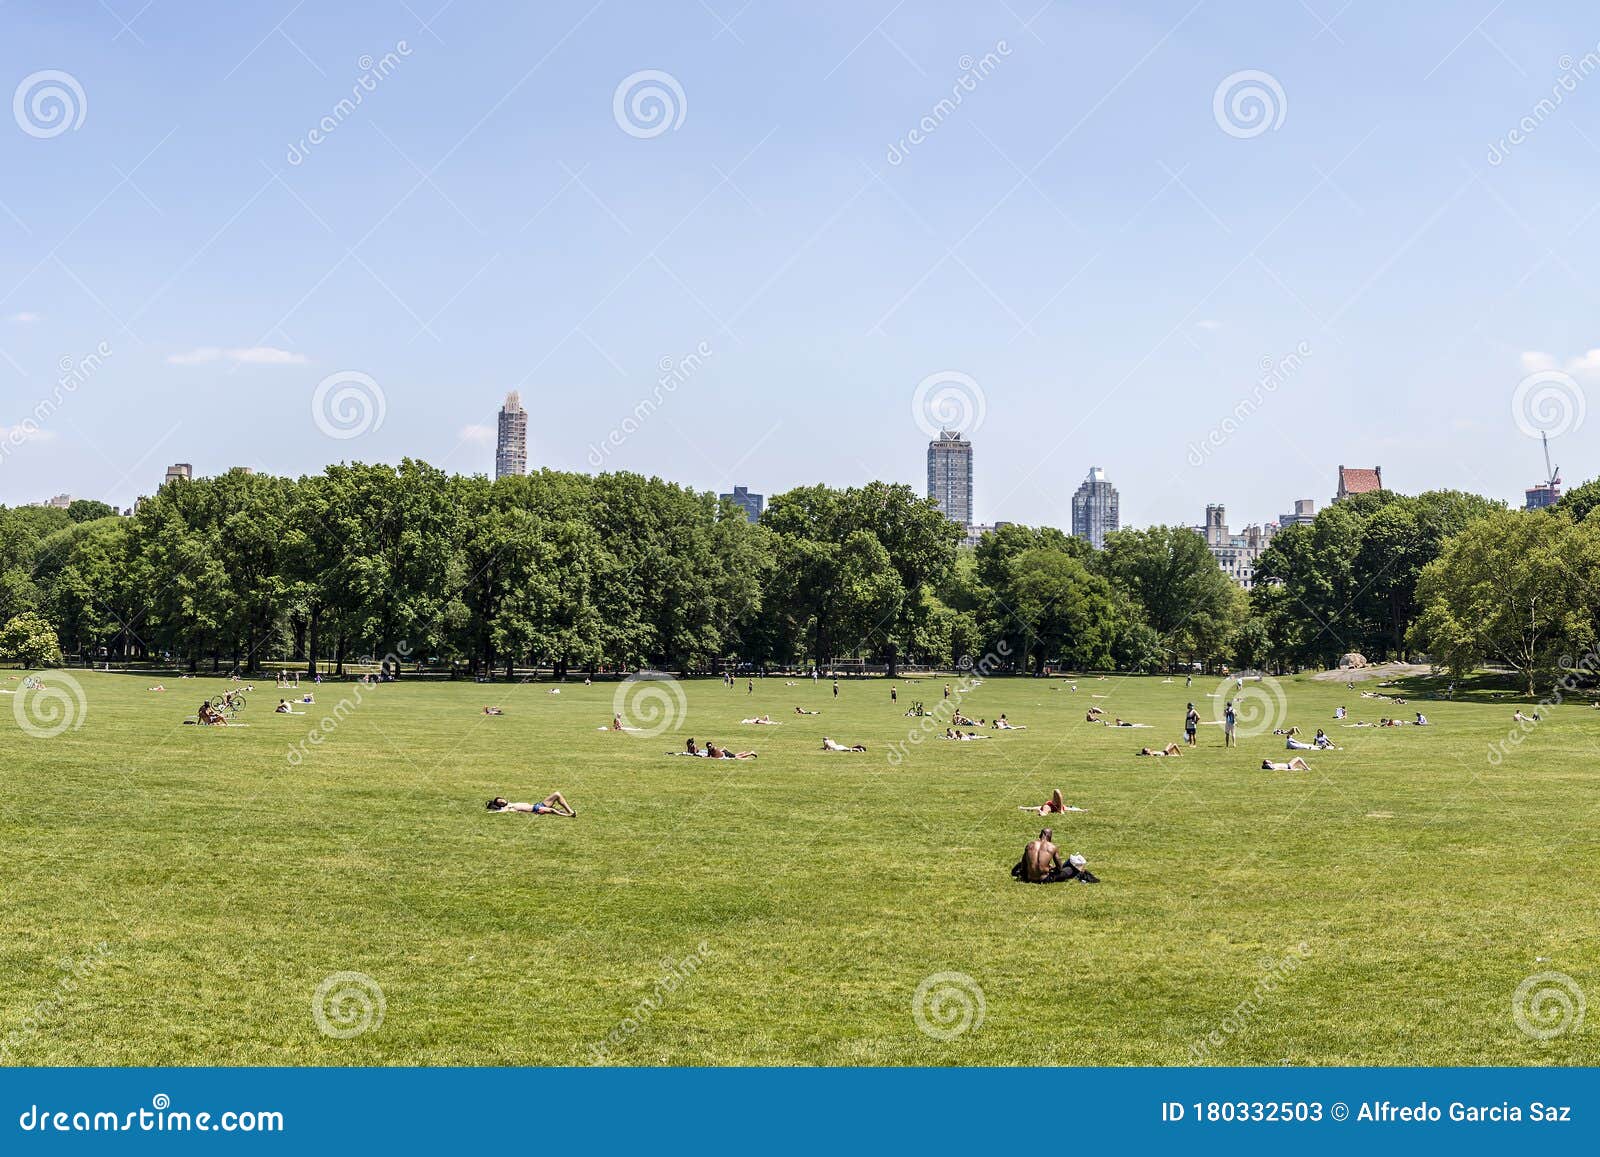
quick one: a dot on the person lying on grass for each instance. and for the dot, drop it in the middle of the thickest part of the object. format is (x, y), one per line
(1169, 749)
(804, 711)
(1042, 863)
(715, 752)
(617, 725)
(493, 711)
(1004, 724)
(1517, 717)
(1295, 764)
(1055, 805)
(830, 745)
(763, 720)
(553, 804)
(158, 687)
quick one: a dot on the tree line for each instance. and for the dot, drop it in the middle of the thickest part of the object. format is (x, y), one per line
(617, 571)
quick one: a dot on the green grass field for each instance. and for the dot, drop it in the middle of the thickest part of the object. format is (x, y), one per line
(1424, 882)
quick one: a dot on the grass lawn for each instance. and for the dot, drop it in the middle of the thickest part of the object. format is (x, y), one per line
(1411, 883)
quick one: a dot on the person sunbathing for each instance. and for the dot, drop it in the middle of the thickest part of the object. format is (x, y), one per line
(555, 691)
(493, 711)
(1293, 744)
(1295, 764)
(1169, 749)
(283, 708)
(1286, 731)
(553, 804)
(1388, 723)
(830, 745)
(1321, 740)
(1055, 805)
(1004, 724)
(961, 720)
(158, 687)
(715, 752)
(1042, 863)
(1125, 723)
(1518, 717)
(209, 716)
(1421, 719)
(763, 720)
(1090, 718)
(804, 711)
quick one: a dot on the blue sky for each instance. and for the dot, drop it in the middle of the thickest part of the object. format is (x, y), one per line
(1082, 237)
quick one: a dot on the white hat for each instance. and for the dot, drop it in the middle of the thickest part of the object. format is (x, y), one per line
(1076, 861)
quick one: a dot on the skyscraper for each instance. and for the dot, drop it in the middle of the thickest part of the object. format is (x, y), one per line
(950, 476)
(1094, 509)
(179, 470)
(753, 504)
(511, 444)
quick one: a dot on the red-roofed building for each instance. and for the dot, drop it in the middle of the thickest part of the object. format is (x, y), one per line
(1355, 480)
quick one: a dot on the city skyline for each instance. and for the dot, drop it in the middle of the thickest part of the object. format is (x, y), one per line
(1125, 319)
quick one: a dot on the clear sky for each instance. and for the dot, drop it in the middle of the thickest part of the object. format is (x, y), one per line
(1107, 249)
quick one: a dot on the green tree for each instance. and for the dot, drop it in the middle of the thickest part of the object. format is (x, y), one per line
(28, 639)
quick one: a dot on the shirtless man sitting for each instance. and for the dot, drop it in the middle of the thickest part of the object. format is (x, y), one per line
(1042, 863)
(553, 804)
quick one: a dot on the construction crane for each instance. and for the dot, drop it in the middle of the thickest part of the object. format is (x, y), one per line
(1552, 473)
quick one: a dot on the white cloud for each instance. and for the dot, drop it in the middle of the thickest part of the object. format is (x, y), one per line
(25, 318)
(25, 432)
(261, 355)
(1534, 361)
(479, 434)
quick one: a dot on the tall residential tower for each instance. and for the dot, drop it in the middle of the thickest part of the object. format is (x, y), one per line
(511, 444)
(1094, 509)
